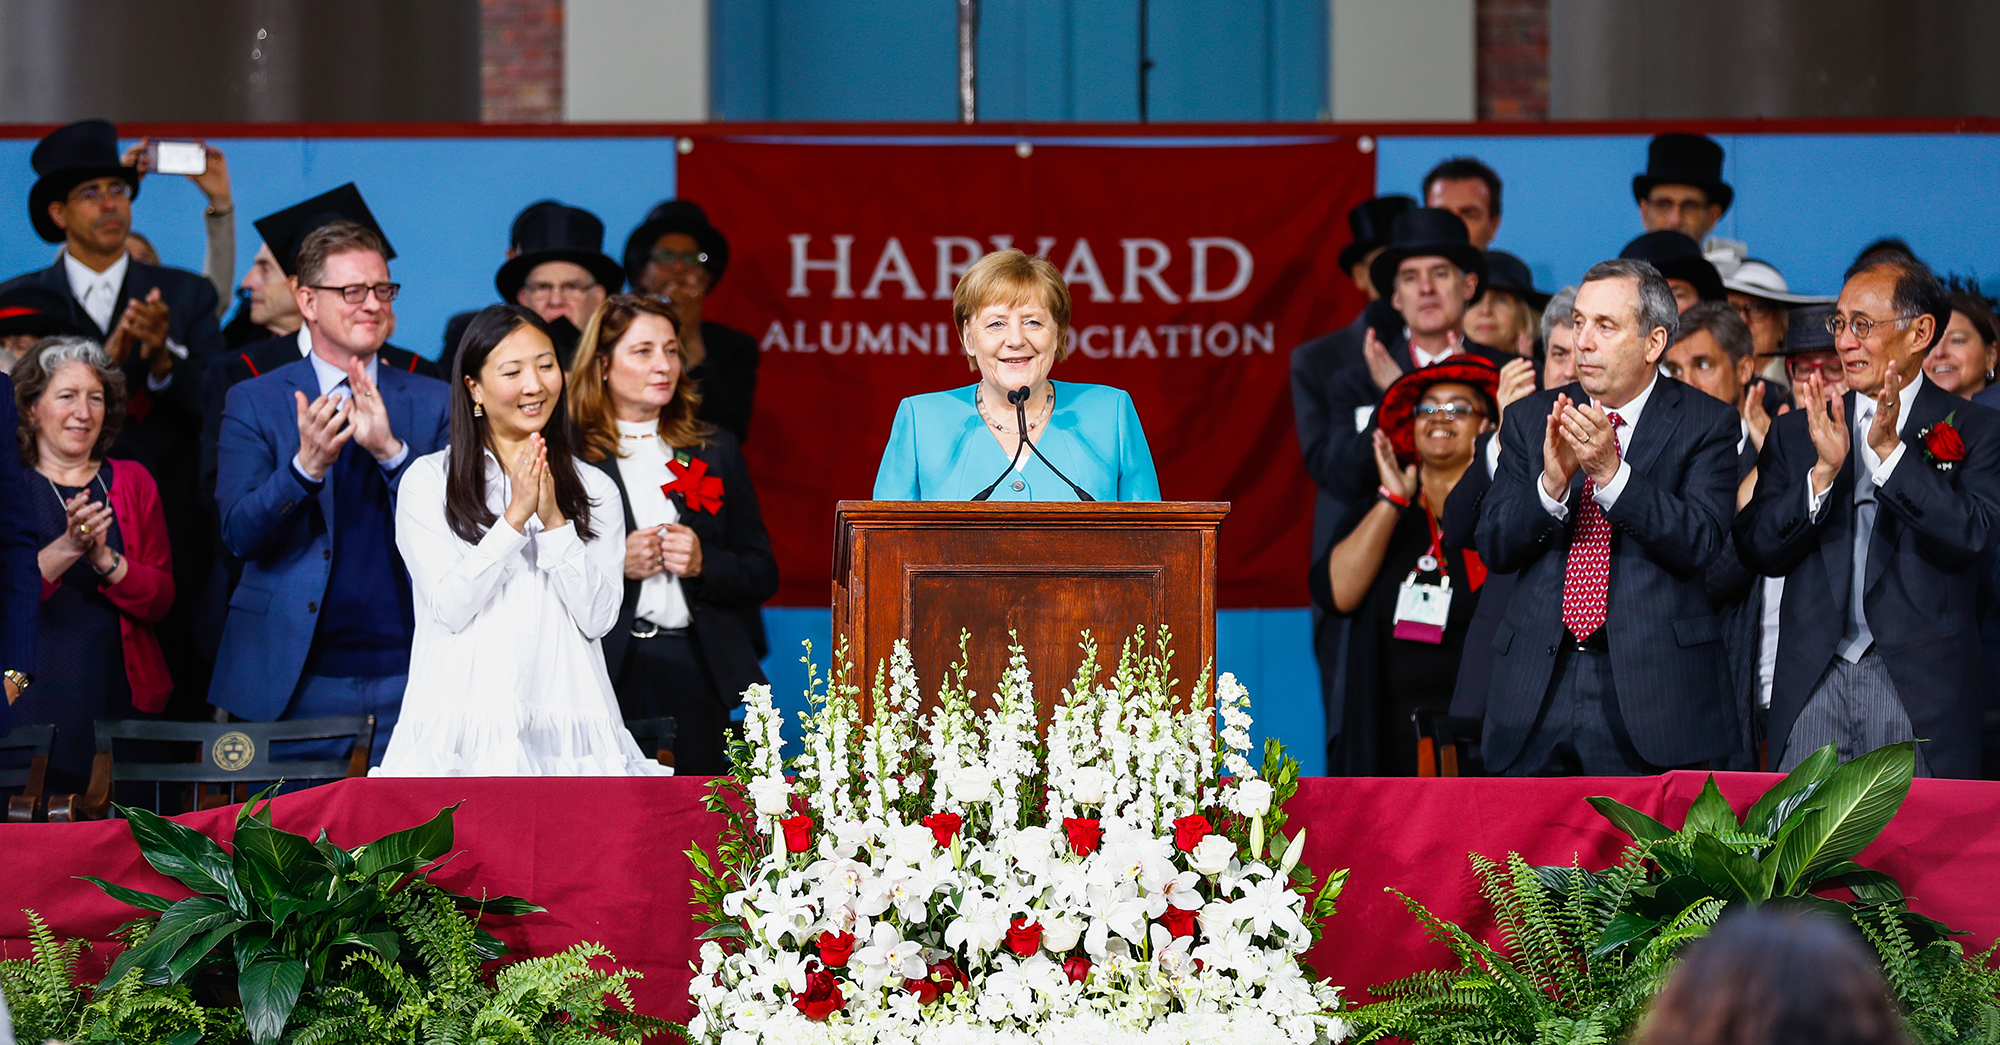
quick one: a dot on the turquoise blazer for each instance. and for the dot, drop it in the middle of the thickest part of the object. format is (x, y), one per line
(939, 450)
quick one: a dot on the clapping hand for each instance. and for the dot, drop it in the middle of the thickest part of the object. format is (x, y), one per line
(1397, 479)
(1882, 437)
(145, 324)
(88, 520)
(642, 553)
(1517, 379)
(1383, 369)
(370, 416)
(1559, 461)
(1756, 416)
(524, 479)
(1593, 440)
(680, 550)
(324, 427)
(1826, 421)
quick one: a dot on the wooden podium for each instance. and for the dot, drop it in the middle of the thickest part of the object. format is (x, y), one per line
(925, 570)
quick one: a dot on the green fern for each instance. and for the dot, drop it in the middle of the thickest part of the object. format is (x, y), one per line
(1947, 997)
(1551, 981)
(41, 989)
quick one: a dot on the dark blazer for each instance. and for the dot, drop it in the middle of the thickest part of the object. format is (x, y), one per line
(1458, 527)
(1933, 529)
(283, 532)
(1667, 660)
(738, 572)
(1322, 435)
(20, 577)
(1737, 593)
(727, 378)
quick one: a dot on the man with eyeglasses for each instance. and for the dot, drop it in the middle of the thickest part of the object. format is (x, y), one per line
(310, 457)
(556, 266)
(1682, 188)
(677, 255)
(1878, 500)
(160, 325)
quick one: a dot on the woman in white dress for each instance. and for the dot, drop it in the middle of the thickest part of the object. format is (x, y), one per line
(516, 558)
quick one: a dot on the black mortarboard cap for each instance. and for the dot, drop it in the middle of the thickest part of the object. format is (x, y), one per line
(285, 231)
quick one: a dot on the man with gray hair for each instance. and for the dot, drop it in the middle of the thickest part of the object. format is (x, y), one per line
(1610, 660)
(1559, 340)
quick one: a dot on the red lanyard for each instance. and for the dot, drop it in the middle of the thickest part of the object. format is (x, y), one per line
(1475, 571)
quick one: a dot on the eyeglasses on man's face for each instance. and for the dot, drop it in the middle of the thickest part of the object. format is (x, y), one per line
(356, 293)
(1862, 325)
(114, 190)
(576, 289)
(664, 257)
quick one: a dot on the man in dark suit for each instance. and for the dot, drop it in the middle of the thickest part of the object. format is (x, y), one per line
(158, 323)
(1610, 660)
(311, 456)
(1877, 502)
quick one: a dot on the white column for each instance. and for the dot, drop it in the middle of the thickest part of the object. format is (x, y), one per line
(635, 60)
(1401, 59)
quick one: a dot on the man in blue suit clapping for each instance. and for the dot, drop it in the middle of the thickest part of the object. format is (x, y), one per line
(310, 457)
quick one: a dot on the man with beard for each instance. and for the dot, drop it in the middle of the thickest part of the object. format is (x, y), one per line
(556, 266)
(158, 324)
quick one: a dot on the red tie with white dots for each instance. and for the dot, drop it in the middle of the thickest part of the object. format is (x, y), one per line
(1587, 577)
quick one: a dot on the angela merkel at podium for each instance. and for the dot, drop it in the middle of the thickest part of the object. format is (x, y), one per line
(1083, 442)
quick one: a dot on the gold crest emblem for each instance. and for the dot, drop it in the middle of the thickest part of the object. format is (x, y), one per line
(233, 751)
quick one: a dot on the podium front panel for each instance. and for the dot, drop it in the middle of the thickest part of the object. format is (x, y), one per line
(927, 571)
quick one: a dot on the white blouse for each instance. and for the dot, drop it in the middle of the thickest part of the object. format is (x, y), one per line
(506, 674)
(642, 463)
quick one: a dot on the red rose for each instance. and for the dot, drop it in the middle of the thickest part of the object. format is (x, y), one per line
(943, 826)
(1189, 831)
(1179, 921)
(1077, 968)
(822, 997)
(1024, 937)
(1084, 834)
(798, 833)
(834, 948)
(944, 977)
(1942, 443)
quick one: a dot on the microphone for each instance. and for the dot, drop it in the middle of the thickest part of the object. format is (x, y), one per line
(1019, 397)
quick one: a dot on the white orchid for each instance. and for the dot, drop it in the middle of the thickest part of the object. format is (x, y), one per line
(886, 955)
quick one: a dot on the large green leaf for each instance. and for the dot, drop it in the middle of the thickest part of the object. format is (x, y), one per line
(1868, 886)
(250, 946)
(340, 859)
(185, 920)
(1855, 803)
(1641, 827)
(422, 844)
(385, 944)
(198, 951)
(501, 905)
(273, 862)
(1759, 817)
(1726, 869)
(185, 855)
(1710, 812)
(1623, 928)
(143, 901)
(270, 989)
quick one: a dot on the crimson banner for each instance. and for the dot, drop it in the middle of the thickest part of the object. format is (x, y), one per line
(1193, 269)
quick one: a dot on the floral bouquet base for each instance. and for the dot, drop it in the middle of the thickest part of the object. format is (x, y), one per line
(955, 876)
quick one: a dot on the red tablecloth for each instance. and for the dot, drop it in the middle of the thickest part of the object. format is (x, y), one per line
(604, 856)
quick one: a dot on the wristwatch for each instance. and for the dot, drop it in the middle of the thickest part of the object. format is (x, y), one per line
(21, 680)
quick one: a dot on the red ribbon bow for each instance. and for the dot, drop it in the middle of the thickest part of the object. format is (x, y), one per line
(702, 490)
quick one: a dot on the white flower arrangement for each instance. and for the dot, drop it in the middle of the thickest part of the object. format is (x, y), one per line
(951, 876)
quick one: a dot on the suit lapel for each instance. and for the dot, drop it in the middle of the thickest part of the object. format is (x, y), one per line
(56, 278)
(1657, 425)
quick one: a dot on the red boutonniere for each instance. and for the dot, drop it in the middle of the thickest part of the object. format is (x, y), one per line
(691, 479)
(1943, 447)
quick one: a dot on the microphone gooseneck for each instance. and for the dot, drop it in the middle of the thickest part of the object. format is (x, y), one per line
(1019, 397)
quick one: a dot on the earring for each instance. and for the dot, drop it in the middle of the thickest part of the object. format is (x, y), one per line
(1989, 374)
(478, 411)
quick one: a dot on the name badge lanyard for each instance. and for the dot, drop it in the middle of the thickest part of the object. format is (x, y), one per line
(1423, 608)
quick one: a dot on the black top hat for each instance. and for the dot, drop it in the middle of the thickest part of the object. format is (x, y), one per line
(1427, 232)
(549, 231)
(1369, 222)
(1684, 159)
(1805, 331)
(286, 231)
(36, 310)
(68, 157)
(1678, 257)
(1505, 272)
(676, 216)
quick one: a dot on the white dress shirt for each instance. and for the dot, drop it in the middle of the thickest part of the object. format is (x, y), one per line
(642, 463)
(333, 382)
(506, 674)
(98, 292)
(1607, 495)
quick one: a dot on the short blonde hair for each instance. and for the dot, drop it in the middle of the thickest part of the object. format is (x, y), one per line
(1010, 277)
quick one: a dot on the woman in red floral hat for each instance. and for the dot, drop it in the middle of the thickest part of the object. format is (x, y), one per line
(1410, 595)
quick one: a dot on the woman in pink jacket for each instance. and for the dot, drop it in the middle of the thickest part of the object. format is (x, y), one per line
(107, 574)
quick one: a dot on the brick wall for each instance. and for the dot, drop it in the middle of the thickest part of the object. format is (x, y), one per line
(521, 61)
(1513, 43)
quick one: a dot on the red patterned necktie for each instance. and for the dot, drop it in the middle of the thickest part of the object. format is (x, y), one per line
(1587, 577)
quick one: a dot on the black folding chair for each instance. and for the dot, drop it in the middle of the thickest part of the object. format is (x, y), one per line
(228, 758)
(654, 735)
(37, 741)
